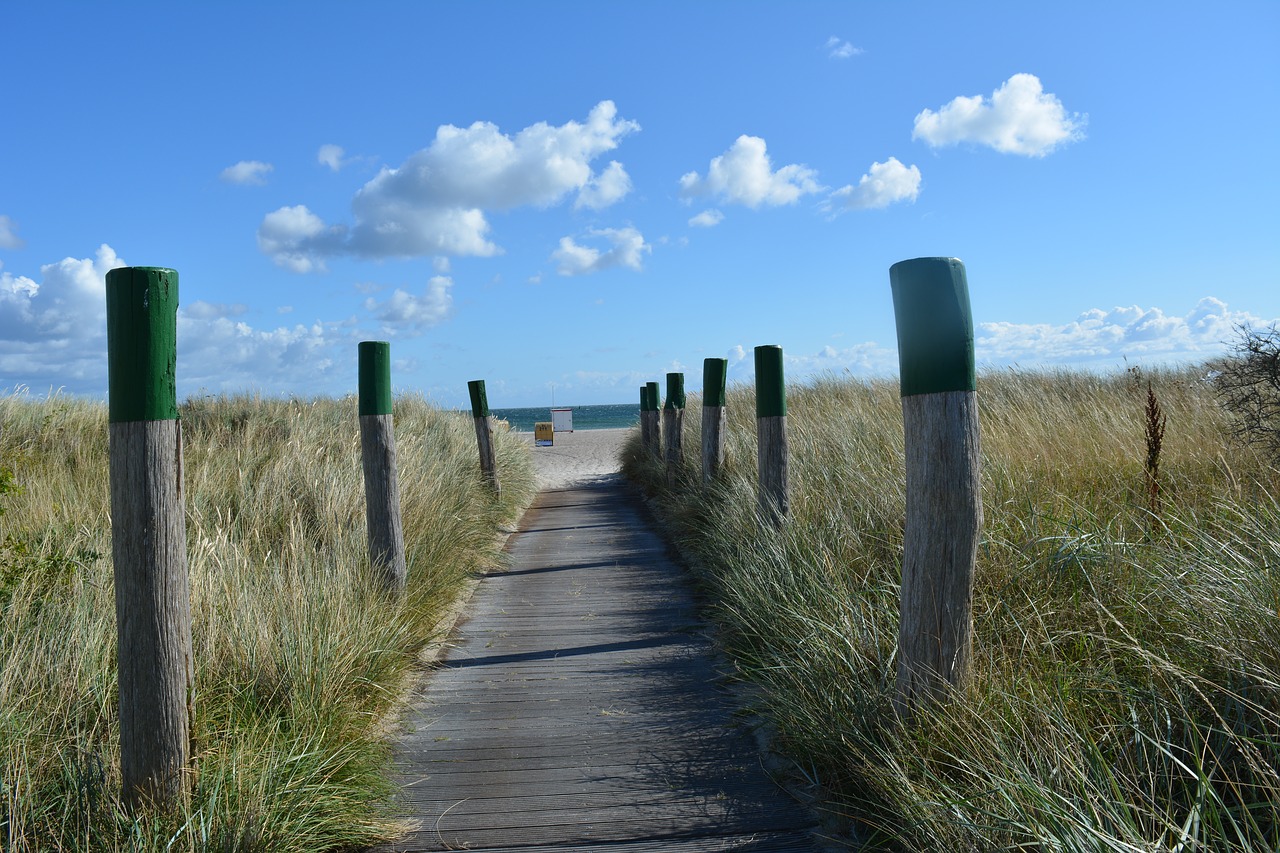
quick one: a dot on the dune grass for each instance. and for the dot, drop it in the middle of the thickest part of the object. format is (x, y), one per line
(1126, 674)
(299, 660)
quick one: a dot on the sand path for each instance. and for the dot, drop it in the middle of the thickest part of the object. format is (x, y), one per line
(580, 457)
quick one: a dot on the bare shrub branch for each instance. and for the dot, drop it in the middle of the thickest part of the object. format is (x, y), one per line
(1247, 383)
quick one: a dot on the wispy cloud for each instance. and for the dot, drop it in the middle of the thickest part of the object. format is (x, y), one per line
(1018, 118)
(707, 219)
(247, 173)
(9, 238)
(838, 48)
(332, 156)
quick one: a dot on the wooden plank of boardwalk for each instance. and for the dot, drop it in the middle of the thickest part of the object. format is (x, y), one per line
(579, 706)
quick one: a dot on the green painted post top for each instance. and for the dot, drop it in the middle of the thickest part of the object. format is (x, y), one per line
(644, 398)
(935, 326)
(375, 378)
(771, 393)
(479, 400)
(653, 397)
(675, 391)
(714, 373)
(142, 344)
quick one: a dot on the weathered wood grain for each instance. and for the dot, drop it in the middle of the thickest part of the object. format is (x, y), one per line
(651, 422)
(673, 435)
(581, 705)
(382, 501)
(153, 608)
(771, 452)
(944, 518)
(488, 459)
(713, 428)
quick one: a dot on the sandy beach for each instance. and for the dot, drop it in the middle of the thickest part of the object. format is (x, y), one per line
(579, 456)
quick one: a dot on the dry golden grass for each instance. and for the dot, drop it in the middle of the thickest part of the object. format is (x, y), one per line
(1126, 684)
(298, 658)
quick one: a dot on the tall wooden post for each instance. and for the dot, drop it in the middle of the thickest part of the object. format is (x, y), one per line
(148, 535)
(944, 505)
(646, 434)
(378, 456)
(655, 429)
(714, 373)
(771, 433)
(484, 433)
(673, 426)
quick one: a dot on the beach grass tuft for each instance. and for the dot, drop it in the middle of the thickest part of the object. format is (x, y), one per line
(1125, 692)
(300, 661)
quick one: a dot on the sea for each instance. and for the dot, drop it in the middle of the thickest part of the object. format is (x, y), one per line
(611, 416)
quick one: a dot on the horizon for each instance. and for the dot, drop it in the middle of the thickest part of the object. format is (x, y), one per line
(548, 199)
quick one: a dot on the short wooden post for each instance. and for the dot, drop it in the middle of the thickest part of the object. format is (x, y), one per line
(378, 456)
(714, 373)
(484, 433)
(655, 428)
(673, 427)
(148, 536)
(944, 505)
(771, 433)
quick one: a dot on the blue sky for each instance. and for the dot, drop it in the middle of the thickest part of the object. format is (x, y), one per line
(585, 196)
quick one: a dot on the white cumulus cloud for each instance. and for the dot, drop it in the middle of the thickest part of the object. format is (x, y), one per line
(9, 238)
(1109, 335)
(604, 189)
(247, 173)
(409, 312)
(745, 175)
(1018, 118)
(297, 239)
(434, 203)
(53, 332)
(218, 353)
(884, 184)
(626, 249)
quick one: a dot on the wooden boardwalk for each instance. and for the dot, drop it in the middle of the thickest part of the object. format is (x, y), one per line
(579, 706)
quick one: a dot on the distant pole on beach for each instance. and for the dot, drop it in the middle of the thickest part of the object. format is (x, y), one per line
(378, 456)
(673, 426)
(771, 433)
(655, 430)
(944, 505)
(484, 433)
(714, 373)
(148, 535)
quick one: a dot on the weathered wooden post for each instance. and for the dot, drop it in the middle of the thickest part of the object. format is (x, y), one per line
(714, 373)
(646, 434)
(771, 433)
(655, 429)
(944, 506)
(484, 433)
(148, 535)
(378, 456)
(673, 426)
